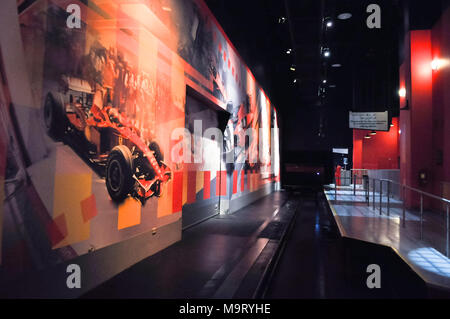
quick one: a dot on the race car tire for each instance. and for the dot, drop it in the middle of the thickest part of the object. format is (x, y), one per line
(119, 173)
(53, 118)
(153, 146)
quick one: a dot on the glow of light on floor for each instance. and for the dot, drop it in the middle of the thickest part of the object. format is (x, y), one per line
(430, 259)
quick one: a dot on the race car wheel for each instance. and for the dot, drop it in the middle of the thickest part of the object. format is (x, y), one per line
(53, 119)
(119, 173)
(153, 146)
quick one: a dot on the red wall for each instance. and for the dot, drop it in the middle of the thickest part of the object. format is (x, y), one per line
(440, 49)
(425, 139)
(378, 152)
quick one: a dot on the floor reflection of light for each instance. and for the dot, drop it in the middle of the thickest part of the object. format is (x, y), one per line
(430, 259)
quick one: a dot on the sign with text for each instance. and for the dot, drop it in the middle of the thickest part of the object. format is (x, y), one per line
(377, 121)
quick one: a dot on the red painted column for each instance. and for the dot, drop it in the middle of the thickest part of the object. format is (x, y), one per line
(416, 123)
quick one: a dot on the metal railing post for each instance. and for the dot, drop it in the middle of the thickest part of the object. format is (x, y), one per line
(388, 197)
(404, 206)
(335, 188)
(421, 217)
(354, 185)
(373, 194)
(367, 187)
(381, 196)
(448, 225)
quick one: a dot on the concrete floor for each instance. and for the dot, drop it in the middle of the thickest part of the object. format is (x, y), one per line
(286, 245)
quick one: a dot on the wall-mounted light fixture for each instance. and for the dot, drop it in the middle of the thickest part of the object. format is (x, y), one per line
(367, 137)
(328, 22)
(438, 64)
(373, 133)
(402, 94)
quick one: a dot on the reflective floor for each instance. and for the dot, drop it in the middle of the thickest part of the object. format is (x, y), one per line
(424, 253)
(223, 257)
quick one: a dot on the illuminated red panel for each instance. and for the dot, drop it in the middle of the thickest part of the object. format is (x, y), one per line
(221, 183)
(242, 181)
(235, 182)
(177, 192)
(207, 185)
(191, 188)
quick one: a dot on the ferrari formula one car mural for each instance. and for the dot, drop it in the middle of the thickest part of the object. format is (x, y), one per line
(107, 139)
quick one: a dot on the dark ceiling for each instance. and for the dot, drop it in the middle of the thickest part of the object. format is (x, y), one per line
(314, 113)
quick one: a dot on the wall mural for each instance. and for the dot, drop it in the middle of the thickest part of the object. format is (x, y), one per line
(96, 148)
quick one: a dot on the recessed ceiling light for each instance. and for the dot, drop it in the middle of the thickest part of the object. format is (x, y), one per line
(336, 65)
(344, 16)
(324, 81)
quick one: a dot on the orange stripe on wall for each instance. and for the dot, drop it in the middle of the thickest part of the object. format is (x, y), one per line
(242, 181)
(235, 182)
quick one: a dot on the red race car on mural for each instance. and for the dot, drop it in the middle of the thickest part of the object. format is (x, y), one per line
(107, 139)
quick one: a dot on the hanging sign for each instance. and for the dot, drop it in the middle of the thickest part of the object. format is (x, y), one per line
(377, 121)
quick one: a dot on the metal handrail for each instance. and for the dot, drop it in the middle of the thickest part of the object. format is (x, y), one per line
(445, 200)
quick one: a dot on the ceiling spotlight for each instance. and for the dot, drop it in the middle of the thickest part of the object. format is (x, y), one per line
(288, 51)
(367, 137)
(392, 125)
(329, 24)
(344, 16)
(168, 9)
(281, 20)
(292, 68)
(402, 92)
(324, 81)
(373, 133)
(295, 80)
(336, 65)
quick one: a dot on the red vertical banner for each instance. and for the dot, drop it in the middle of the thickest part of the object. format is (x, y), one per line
(191, 187)
(235, 182)
(242, 180)
(221, 183)
(207, 185)
(177, 203)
